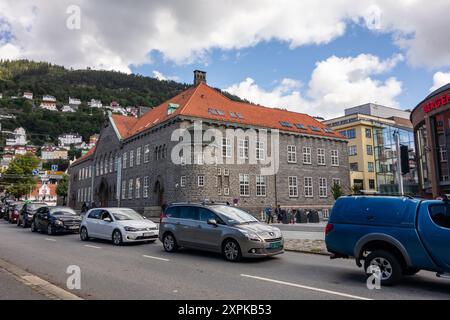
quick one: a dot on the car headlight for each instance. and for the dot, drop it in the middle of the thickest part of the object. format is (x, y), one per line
(251, 235)
(131, 229)
(58, 223)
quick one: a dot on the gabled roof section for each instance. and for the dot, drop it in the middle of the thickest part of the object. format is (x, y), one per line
(198, 101)
(84, 157)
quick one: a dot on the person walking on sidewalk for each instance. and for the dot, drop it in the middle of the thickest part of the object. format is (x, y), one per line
(269, 216)
(279, 214)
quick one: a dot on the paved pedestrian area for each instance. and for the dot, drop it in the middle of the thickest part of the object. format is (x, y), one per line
(12, 289)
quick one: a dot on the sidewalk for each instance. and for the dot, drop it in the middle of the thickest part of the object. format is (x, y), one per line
(12, 289)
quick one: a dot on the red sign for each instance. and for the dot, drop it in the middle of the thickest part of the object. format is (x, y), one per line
(437, 102)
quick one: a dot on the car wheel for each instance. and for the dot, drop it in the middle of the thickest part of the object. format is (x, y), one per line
(33, 226)
(117, 238)
(84, 236)
(231, 250)
(388, 264)
(50, 230)
(170, 243)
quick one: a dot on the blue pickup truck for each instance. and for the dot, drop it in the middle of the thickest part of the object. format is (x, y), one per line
(397, 235)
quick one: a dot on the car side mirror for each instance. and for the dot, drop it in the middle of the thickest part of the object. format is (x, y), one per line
(212, 222)
(107, 219)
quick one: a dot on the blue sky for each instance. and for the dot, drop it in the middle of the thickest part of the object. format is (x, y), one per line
(301, 55)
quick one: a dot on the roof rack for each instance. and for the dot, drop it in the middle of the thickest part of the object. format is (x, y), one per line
(386, 195)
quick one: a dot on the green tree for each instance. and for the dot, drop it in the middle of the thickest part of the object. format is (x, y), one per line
(63, 187)
(337, 191)
(19, 175)
(356, 189)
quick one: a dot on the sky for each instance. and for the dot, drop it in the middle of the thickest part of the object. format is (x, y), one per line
(307, 56)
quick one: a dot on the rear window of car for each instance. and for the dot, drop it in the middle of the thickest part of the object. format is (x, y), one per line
(35, 206)
(62, 211)
(440, 214)
(173, 212)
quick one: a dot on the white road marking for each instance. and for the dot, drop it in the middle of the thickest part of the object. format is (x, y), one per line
(90, 246)
(306, 287)
(48, 239)
(156, 258)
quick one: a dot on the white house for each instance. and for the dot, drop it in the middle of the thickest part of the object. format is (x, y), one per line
(67, 139)
(44, 192)
(49, 103)
(74, 102)
(67, 108)
(95, 104)
(20, 138)
(49, 152)
(28, 95)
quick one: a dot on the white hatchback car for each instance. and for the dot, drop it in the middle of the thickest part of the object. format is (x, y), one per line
(118, 225)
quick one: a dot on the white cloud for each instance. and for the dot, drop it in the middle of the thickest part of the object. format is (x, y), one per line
(115, 34)
(335, 84)
(160, 76)
(440, 79)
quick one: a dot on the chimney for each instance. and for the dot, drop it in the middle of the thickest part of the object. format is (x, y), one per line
(199, 76)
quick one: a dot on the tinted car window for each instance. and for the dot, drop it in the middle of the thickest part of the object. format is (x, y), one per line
(234, 215)
(205, 215)
(441, 214)
(35, 206)
(105, 214)
(95, 214)
(173, 212)
(62, 211)
(189, 213)
(125, 214)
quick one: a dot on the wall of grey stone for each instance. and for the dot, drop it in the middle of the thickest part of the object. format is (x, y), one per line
(168, 174)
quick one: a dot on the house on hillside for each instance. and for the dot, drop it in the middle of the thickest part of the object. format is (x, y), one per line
(67, 139)
(19, 138)
(67, 108)
(28, 95)
(49, 103)
(50, 152)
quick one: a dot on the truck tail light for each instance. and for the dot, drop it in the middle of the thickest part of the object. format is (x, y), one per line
(328, 228)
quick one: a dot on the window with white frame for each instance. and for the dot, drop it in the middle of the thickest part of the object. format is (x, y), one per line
(308, 184)
(226, 191)
(260, 186)
(124, 160)
(130, 189)
(124, 189)
(199, 159)
(352, 150)
(244, 185)
(183, 181)
(90, 172)
(336, 181)
(323, 188)
(291, 154)
(137, 189)
(306, 155)
(146, 153)
(111, 163)
(259, 150)
(243, 148)
(106, 165)
(89, 193)
(293, 187)
(101, 167)
(334, 158)
(131, 158)
(226, 147)
(443, 154)
(200, 181)
(116, 163)
(321, 157)
(145, 189)
(138, 156)
(79, 195)
(97, 169)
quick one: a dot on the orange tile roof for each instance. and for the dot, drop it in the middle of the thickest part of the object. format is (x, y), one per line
(84, 157)
(196, 102)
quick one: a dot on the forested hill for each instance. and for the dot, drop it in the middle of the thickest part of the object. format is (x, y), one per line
(43, 78)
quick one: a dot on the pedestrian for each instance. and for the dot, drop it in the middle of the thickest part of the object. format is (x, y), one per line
(278, 214)
(269, 216)
(292, 216)
(84, 207)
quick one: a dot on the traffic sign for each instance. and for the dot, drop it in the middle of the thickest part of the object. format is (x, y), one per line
(35, 172)
(54, 167)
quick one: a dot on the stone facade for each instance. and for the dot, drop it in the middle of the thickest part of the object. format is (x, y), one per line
(164, 183)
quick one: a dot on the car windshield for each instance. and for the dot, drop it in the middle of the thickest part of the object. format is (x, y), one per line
(234, 215)
(125, 214)
(35, 206)
(62, 211)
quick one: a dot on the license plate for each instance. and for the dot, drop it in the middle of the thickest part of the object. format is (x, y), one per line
(147, 234)
(275, 245)
(73, 228)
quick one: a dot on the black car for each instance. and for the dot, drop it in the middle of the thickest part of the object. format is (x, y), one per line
(27, 213)
(55, 220)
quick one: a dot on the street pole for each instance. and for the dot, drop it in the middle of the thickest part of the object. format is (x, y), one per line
(399, 160)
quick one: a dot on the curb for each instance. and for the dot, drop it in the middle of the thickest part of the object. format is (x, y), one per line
(40, 285)
(308, 252)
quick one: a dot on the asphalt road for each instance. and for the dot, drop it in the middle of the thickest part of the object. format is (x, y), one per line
(145, 271)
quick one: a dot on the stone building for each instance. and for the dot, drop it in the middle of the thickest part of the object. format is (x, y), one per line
(143, 163)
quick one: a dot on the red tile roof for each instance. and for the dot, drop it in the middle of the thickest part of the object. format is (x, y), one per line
(84, 157)
(196, 102)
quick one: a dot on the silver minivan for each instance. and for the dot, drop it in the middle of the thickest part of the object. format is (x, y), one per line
(218, 228)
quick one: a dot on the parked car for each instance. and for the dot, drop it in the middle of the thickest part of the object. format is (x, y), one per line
(14, 211)
(55, 220)
(118, 225)
(398, 235)
(218, 228)
(8, 205)
(27, 213)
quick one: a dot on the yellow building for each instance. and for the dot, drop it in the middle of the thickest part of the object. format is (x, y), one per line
(372, 151)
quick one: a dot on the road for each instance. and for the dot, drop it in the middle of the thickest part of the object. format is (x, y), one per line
(145, 271)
